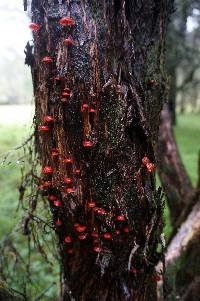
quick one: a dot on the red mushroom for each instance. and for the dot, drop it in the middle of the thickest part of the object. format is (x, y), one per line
(48, 118)
(88, 143)
(77, 171)
(145, 160)
(101, 211)
(68, 41)
(97, 249)
(57, 203)
(84, 107)
(121, 218)
(126, 229)
(68, 239)
(107, 235)
(156, 277)
(68, 180)
(67, 160)
(151, 167)
(66, 21)
(47, 60)
(34, 26)
(54, 153)
(52, 197)
(43, 128)
(82, 236)
(47, 170)
(92, 110)
(81, 228)
(70, 189)
(91, 204)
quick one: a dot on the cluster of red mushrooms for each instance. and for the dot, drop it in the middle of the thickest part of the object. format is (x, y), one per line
(81, 231)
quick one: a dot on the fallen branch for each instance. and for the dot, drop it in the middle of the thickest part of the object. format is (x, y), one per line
(186, 233)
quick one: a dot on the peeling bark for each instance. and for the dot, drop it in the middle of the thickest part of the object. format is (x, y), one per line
(118, 47)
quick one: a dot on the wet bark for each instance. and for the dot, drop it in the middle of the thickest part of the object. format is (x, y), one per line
(117, 52)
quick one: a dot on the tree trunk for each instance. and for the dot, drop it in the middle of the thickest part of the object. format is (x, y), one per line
(174, 178)
(99, 136)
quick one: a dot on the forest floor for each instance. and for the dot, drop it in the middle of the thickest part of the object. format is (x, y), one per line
(15, 127)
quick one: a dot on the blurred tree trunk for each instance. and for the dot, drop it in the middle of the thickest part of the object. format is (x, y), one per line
(173, 175)
(115, 74)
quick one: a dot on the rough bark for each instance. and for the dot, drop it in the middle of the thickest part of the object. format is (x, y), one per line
(173, 175)
(118, 48)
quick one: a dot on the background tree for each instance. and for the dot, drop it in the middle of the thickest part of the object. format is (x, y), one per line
(182, 59)
(98, 72)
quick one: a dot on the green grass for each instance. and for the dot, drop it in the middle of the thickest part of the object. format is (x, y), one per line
(14, 129)
(15, 123)
(187, 134)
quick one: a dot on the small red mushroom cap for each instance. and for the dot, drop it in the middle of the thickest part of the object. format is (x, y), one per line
(107, 235)
(121, 218)
(81, 228)
(43, 128)
(145, 160)
(47, 60)
(97, 249)
(156, 277)
(101, 211)
(126, 230)
(70, 189)
(52, 197)
(77, 171)
(67, 160)
(88, 143)
(68, 180)
(82, 236)
(66, 21)
(91, 204)
(151, 167)
(48, 118)
(151, 81)
(84, 107)
(57, 203)
(47, 169)
(93, 110)
(68, 41)
(68, 239)
(65, 94)
(34, 26)
(54, 153)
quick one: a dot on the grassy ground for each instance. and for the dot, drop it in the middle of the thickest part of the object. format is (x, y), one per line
(14, 129)
(15, 122)
(188, 138)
